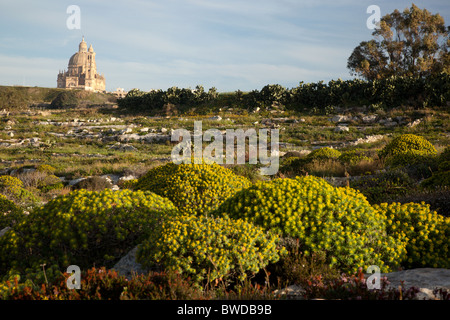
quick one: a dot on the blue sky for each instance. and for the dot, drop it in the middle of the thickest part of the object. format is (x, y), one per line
(227, 44)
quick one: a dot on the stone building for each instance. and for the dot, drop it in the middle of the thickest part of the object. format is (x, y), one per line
(82, 71)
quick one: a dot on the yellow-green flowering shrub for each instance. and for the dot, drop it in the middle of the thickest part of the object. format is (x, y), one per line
(10, 185)
(407, 149)
(83, 228)
(337, 221)
(13, 189)
(193, 188)
(10, 213)
(208, 249)
(425, 234)
(323, 154)
(46, 168)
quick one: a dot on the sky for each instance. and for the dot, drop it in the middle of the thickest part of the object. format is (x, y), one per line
(227, 44)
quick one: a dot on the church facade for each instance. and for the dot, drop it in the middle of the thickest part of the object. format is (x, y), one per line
(82, 71)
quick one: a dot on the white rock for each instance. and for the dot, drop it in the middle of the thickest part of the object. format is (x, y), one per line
(340, 118)
(369, 119)
(414, 123)
(341, 129)
(3, 231)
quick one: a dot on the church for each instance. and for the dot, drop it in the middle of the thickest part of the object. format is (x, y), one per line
(82, 71)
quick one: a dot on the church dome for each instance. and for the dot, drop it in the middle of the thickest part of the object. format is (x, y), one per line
(78, 59)
(91, 49)
(83, 46)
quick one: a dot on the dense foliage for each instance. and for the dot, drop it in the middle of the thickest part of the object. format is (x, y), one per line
(193, 188)
(319, 97)
(82, 228)
(407, 149)
(425, 234)
(338, 221)
(209, 249)
(409, 43)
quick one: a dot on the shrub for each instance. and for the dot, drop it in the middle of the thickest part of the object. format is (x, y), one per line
(208, 249)
(352, 157)
(127, 184)
(338, 221)
(93, 184)
(324, 154)
(12, 188)
(82, 228)
(193, 188)
(407, 149)
(46, 168)
(103, 284)
(10, 214)
(425, 234)
(10, 185)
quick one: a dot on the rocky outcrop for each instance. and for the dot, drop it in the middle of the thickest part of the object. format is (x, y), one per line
(425, 279)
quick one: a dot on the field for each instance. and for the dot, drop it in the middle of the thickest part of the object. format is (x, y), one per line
(58, 163)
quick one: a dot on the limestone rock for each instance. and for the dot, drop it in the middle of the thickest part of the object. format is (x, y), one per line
(127, 265)
(340, 118)
(369, 119)
(3, 231)
(414, 123)
(341, 129)
(293, 292)
(426, 279)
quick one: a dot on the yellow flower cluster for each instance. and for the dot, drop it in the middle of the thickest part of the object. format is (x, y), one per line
(407, 149)
(337, 221)
(208, 249)
(424, 233)
(10, 185)
(193, 188)
(83, 228)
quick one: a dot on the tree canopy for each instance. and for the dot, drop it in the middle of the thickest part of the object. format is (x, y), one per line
(414, 42)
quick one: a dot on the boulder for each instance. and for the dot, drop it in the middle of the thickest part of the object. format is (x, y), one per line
(127, 265)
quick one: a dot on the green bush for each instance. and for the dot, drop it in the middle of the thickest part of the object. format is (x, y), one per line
(337, 221)
(193, 188)
(93, 184)
(207, 249)
(10, 213)
(425, 234)
(352, 157)
(12, 188)
(82, 228)
(407, 149)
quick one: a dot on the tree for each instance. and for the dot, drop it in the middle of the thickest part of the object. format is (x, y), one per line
(412, 43)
